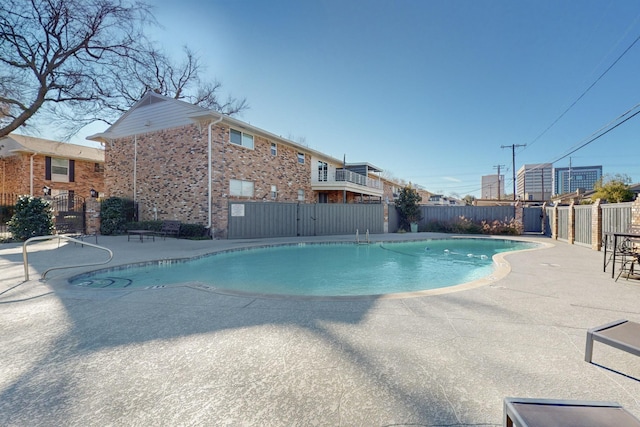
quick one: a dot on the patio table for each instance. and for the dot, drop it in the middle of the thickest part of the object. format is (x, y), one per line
(617, 239)
(142, 233)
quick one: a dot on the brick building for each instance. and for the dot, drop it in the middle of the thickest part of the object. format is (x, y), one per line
(30, 165)
(180, 161)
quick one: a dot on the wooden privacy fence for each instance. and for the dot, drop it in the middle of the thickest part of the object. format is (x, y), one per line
(268, 219)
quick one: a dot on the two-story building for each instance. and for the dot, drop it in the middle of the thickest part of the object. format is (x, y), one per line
(41, 167)
(184, 162)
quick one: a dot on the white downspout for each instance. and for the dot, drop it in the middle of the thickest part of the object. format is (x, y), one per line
(135, 167)
(31, 174)
(210, 171)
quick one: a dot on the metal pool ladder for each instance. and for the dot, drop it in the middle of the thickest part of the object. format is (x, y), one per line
(70, 239)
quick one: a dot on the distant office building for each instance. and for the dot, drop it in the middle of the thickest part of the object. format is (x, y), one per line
(492, 187)
(569, 180)
(535, 182)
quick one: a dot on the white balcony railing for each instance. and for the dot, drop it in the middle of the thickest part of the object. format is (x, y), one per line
(342, 175)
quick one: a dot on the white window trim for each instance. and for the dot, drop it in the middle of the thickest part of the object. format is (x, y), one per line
(242, 139)
(301, 156)
(58, 177)
(274, 149)
(247, 188)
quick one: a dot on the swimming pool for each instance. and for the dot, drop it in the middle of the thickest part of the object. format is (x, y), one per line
(341, 269)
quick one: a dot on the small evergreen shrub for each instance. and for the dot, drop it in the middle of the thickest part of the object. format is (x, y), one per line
(32, 217)
(193, 231)
(408, 205)
(115, 212)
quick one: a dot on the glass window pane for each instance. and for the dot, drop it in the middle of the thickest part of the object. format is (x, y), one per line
(235, 187)
(247, 140)
(247, 188)
(236, 137)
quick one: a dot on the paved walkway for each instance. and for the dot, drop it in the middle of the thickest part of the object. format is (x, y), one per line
(182, 356)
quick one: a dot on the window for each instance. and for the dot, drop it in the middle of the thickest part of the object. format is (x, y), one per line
(274, 149)
(274, 192)
(98, 167)
(301, 195)
(241, 138)
(322, 171)
(59, 170)
(240, 188)
(301, 158)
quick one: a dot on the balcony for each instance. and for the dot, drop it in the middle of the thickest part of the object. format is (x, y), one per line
(346, 180)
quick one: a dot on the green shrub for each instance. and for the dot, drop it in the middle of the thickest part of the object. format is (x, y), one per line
(408, 205)
(466, 226)
(143, 225)
(192, 231)
(6, 212)
(115, 212)
(32, 217)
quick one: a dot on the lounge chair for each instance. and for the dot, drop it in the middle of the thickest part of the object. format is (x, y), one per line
(621, 334)
(523, 412)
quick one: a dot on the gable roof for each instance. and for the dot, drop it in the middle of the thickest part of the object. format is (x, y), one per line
(152, 113)
(155, 112)
(15, 143)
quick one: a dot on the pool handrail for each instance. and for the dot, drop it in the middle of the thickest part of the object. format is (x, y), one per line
(59, 236)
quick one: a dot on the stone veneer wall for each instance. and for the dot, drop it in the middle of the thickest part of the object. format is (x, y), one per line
(171, 173)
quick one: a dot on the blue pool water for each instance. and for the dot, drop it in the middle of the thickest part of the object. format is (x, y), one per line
(322, 269)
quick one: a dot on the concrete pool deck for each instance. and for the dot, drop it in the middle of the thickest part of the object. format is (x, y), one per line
(184, 355)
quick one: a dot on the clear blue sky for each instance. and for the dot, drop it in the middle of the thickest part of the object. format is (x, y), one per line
(427, 90)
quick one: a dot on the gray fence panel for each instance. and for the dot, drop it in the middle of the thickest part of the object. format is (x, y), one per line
(548, 231)
(532, 219)
(338, 218)
(307, 220)
(616, 217)
(583, 225)
(474, 213)
(259, 220)
(394, 219)
(563, 223)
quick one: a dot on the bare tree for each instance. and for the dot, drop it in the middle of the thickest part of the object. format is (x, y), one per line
(77, 61)
(158, 72)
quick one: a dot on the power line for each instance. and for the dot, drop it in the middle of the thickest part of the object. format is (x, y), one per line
(585, 91)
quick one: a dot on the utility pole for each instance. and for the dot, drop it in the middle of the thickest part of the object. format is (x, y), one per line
(498, 167)
(513, 160)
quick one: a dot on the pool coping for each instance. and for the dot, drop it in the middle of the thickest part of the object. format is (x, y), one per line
(501, 270)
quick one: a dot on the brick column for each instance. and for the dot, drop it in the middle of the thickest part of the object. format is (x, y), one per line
(596, 225)
(572, 224)
(519, 213)
(635, 213)
(92, 216)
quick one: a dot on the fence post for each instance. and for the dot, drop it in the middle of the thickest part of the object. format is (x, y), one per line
(635, 213)
(519, 213)
(554, 222)
(544, 219)
(571, 233)
(596, 225)
(92, 216)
